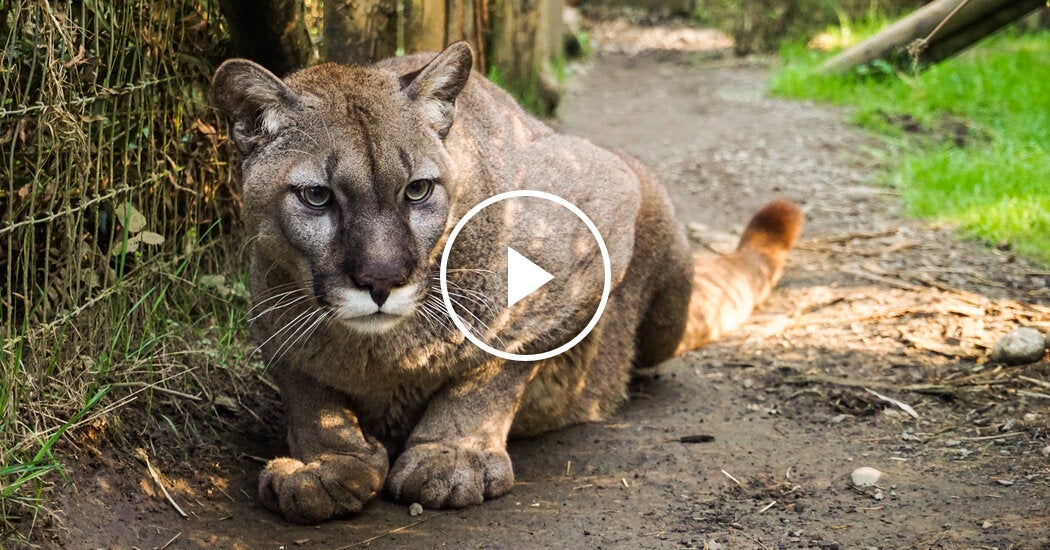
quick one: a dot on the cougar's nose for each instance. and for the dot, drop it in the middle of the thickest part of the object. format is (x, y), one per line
(379, 284)
(380, 261)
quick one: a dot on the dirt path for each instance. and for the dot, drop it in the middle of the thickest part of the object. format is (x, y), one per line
(779, 411)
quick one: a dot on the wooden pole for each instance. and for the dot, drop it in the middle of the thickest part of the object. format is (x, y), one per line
(942, 22)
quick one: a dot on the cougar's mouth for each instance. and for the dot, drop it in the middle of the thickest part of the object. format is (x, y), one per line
(358, 309)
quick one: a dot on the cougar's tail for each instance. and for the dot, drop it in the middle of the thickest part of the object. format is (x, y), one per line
(727, 289)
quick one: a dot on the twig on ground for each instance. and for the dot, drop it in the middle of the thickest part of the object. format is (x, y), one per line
(1035, 381)
(888, 281)
(940, 348)
(758, 542)
(900, 404)
(730, 476)
(991, 437)
(156, 388)
(167, 544)
(370, 540)
(141, 455)
(839, 239)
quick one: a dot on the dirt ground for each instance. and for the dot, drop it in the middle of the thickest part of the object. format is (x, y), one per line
(748, 443)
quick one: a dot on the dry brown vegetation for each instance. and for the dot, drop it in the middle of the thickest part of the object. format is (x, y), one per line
(116, 199)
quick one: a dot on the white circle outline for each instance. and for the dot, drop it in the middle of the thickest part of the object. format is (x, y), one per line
(606, 264)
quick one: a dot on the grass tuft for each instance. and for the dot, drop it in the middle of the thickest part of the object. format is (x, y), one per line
(988, 175)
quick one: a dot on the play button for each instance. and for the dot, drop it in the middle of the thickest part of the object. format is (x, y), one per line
(523, 277)
(532, 278)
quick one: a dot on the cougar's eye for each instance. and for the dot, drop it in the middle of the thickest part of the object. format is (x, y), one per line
(419, 190)
(315, 196)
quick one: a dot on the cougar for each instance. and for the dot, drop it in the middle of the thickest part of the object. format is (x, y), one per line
(353, 178)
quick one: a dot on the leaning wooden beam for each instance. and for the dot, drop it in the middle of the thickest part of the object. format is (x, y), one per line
(954, 24)
(939, 50)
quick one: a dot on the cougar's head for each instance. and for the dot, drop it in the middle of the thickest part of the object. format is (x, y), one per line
(346, 177)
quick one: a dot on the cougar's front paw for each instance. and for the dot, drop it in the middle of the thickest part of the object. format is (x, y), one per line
(440, 476)
(330, 487)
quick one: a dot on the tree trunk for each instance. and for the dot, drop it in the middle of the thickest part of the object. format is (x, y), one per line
(430, 25)
(359, 31)
(270, 32)
(525, 37)
(964, 22)
(425, 29)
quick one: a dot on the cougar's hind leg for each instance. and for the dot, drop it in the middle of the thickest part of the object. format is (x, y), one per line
(665, 316)
(662, 267)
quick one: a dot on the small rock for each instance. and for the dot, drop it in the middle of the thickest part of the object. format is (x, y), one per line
(415, 509)
(1019, 346)
(1005, 482)
(1046, 450)
(986, 525)
(865, 476)
(712, 545)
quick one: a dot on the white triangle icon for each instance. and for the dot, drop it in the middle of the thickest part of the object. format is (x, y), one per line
(523, 277)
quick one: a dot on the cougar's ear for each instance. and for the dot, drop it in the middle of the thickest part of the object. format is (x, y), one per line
(256, 102)
(434, 87)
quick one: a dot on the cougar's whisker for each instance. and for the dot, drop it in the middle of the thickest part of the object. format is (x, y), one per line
(283, 329)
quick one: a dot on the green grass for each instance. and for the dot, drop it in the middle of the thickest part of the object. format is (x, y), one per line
(996, 187)
(167, 336)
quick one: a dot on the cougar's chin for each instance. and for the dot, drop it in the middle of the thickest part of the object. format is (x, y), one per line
(357, 309)
(376, 323)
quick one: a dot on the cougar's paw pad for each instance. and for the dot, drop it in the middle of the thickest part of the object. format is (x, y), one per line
(441, 476)
(330, 487)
